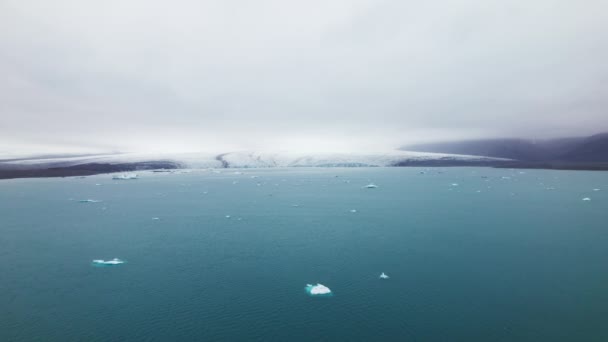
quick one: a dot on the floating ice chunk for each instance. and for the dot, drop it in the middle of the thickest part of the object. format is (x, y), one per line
(454, 184)
(371, 186)
(295, 205)
(586, 199)
(227, 216)
(318, 290)
(125, 176)
(102, 262)
(596, 189)
(353, 210)
(89, 201)
(383, 276)
(156, 218)
(97, 184)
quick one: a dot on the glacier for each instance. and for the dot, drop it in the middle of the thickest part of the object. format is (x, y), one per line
(250, 159)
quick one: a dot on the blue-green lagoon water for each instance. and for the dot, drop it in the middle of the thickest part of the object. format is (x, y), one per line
(519, 258)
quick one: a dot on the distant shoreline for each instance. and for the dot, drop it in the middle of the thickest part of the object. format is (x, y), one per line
(88, 169)
(105, 168)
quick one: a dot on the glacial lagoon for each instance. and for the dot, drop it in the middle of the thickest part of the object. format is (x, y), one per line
(504, 255)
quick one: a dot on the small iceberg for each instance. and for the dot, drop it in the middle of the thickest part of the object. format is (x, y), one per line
(596, 189)
(89, 201)
(586, 199)
(125, 176)
(156, 218)
(353, 210)
(318, 290)
(384, 276)
(454, 184)
(101, 262)
(371, 186)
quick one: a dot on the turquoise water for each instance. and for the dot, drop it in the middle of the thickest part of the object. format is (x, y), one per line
(514, 262)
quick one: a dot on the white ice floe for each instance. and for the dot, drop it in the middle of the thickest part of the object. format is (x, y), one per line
(586, 199)
(114, 261)
(317, 290)
(596, 189)
(383, 276)
(89, 201)
(454, 184)
(156, 218)
(353, 210)
(125, 176)
(227, 216)
(371, 186)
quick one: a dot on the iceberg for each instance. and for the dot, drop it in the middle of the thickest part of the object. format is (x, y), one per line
(586, 199)
(371, 186)
(318, 290)
(383, 276)
(101, 262)
(353, 210)
(89, 201)
(125, 176)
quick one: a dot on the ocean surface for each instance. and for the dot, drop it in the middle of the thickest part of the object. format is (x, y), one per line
(473, 254)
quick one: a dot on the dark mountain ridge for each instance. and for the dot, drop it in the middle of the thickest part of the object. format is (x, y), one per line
(592, 149)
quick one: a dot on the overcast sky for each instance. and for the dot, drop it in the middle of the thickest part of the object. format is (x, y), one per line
(162, 76)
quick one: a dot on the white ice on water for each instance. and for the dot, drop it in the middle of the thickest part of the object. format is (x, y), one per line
(383, 276)
(114, 261)
(125, 176)
(586, 199)
(318, 289)
(371, 186)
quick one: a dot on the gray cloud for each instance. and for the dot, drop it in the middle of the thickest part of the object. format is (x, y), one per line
(214, 75)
